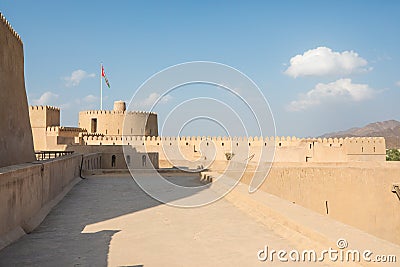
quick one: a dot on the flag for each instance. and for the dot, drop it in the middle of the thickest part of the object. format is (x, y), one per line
(103, 74)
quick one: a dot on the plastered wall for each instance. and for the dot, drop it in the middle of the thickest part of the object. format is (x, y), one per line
(203, 150)
(111, 122)
(16, 144)
(356, 193)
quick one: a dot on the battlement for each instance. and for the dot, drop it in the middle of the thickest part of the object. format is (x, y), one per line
(7, 23)
(44, 108)
(277, 139)
(99, 112)
(64, 129)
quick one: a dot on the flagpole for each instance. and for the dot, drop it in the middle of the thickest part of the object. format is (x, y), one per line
(101, 86)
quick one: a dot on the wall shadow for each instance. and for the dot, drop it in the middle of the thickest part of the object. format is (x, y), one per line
(59, 239)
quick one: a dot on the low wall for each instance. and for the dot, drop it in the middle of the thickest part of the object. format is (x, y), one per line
(29, 191)
(357, 194)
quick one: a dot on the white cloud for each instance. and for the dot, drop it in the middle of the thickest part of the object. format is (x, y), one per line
(90, 99)
(398, 83)
(76, 77)
(85, 103)
(152, 98)
(323, 61)
(342, 89)
(45, 99)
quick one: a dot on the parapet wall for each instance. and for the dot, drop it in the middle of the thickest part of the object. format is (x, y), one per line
(358, 193)
(4, 21)
(29, 191)
(16, 144)
(279, 149)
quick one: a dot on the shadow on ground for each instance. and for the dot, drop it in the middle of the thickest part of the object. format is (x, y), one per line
(59, 240)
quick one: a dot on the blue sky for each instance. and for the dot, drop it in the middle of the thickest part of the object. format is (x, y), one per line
(322, 65)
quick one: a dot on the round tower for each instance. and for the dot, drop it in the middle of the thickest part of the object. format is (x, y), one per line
(119, 106)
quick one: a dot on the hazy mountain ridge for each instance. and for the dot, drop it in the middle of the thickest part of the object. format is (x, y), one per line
(389, 129)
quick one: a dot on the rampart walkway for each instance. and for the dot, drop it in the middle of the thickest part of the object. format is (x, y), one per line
(109, 220)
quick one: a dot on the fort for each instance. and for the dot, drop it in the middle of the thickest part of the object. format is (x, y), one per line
(318, 190)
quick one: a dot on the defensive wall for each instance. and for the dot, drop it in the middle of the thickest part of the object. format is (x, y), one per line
(356, 193)
(16, 145)
(114, 122)
(29, 191)
(203, 150)
(46, 129)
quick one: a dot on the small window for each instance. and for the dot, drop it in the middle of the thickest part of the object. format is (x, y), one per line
(280, 144)
(144, 160)
(362, 149)
(310, 146)
(330, 145)
(94, 125)
(374, 149)
(249, 144)
(113, 159)
(207, 144)
(128, 160)
(237, 144)
(222, 144)
(106, 131)
(118, 131)
(187, 143)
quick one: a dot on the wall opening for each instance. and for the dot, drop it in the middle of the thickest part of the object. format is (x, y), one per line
(93, 125)
(128, 160)
(113, 159)
(144, 160)
(326, 207)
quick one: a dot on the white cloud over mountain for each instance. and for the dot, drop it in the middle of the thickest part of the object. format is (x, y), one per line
(342, 89)
(322, 61)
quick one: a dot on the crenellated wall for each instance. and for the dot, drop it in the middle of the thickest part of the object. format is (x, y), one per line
(46, 129)
(203, 150)
(44, 116)
(16, 144)
(117, 122)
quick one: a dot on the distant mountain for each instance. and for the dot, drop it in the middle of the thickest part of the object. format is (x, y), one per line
(388, 129)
